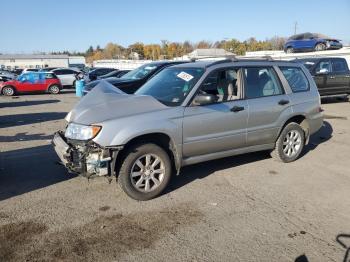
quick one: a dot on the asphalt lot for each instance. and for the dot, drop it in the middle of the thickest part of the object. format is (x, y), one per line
(243, 208)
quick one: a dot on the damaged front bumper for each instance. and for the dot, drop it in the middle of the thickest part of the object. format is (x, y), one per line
(85, 157)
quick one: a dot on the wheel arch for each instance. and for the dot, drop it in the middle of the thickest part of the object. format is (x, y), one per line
(300, 120)
(160, 139)
(319, 42)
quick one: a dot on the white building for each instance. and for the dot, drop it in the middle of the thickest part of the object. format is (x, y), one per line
(121, 64)
(36, 61)
(206, 54)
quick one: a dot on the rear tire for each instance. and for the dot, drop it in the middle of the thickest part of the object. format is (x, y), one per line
(320, 47)
(54, 89)
(145, 171)
(8, 91)
(289, 144)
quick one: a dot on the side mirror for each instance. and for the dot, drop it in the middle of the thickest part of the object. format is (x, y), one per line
(205, 99)
(323, 71)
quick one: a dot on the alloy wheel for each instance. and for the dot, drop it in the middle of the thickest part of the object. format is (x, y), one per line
(8, 91)
(147, 173)
(292, 143)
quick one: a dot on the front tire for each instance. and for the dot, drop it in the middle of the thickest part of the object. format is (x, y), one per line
(145, 171)
(320, 47)
(8, 91)
(54, 89)
(290, 50)
(289, 144)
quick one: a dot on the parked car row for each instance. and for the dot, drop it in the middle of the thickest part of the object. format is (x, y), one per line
(189, 113)
(133, 80)
(34, 80)
(331, 74)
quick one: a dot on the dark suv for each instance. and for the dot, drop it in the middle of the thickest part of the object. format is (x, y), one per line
(331, 74)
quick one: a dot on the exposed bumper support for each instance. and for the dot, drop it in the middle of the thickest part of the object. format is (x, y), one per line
(85, 157)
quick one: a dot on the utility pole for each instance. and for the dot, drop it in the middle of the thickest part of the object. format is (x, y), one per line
(295, 27)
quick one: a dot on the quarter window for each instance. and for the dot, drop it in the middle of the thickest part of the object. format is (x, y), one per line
(261, 82)
(295, 78)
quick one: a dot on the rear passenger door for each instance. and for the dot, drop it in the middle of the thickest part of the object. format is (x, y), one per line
(267, 102)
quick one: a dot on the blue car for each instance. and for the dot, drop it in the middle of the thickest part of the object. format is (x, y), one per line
(310, 42)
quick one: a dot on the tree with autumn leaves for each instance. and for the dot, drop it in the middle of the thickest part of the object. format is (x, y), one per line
(169, 50)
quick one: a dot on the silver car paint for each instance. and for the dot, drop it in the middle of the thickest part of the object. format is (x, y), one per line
(198, 133)
(66, 80)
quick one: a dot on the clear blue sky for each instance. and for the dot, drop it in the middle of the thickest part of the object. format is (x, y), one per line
(44, 25)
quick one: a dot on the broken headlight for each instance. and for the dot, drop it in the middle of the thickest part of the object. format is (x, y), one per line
(81, 132)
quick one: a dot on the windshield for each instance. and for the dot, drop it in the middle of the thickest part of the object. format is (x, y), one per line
(172, 85)
(140, 72)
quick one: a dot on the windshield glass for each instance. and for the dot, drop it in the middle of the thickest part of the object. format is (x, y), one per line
(140, 72)
(172, 85)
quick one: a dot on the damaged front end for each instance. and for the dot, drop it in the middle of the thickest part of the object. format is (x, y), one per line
(85, 158)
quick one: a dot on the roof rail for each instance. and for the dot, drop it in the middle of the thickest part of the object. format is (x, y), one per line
(265, 57)
(227, 59)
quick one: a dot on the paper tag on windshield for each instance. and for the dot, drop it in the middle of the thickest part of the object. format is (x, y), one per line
(185, 76)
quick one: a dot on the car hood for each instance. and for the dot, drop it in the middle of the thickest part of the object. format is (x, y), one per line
(106, 102)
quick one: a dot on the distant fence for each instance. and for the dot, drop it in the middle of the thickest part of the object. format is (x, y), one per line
(121, 64)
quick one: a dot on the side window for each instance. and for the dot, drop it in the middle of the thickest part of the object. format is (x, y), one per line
(261, 82)
(295, 78)
(66, 72)
(222, 83)
(49, 76)
(324, 65)
(58, 72)
(339, 66)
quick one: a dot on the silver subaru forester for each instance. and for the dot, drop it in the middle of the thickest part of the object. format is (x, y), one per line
(190, 113)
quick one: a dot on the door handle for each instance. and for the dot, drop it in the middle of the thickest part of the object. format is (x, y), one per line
(332, 77)
(237, 109)
(347, 76)
(283, 102)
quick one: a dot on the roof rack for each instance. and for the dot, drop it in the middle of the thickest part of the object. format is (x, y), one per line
(266, 57)
(227, 59)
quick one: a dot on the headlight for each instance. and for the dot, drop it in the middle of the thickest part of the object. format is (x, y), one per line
(81, 132)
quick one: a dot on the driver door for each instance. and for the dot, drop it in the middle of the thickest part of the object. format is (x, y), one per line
(219, 126)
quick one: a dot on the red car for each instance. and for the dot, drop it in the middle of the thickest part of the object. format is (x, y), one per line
(32, 82)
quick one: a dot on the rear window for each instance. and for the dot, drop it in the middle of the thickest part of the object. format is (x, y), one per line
(296, 78)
